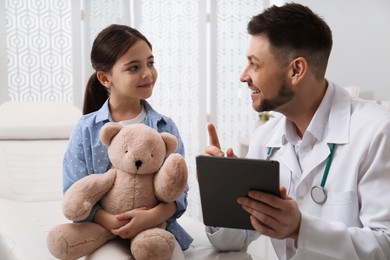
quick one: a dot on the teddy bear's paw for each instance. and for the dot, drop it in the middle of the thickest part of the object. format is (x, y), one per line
(172, 178)
(72, 241)
(78, 213)
(153, 244)
(56, 242)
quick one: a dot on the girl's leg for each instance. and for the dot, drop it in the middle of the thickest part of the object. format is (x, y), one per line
(118, 249)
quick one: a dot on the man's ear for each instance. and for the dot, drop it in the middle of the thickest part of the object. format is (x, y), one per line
(298, 68)
(104, 78)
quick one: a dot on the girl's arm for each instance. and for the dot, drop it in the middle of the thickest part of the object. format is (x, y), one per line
(136, 220)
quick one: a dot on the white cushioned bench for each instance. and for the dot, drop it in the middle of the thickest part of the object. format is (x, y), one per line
(33, 138)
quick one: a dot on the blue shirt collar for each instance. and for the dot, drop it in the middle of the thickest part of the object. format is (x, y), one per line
(152, 117)
(103, 114)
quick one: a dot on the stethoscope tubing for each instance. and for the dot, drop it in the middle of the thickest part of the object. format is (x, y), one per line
(327, 166)
(318, 188)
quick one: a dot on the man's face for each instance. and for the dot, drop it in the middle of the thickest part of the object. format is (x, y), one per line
(266, 78)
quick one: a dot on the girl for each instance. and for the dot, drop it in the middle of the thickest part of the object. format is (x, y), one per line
(124, 77)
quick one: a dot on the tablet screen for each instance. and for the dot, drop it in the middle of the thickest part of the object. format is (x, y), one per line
(222, 180)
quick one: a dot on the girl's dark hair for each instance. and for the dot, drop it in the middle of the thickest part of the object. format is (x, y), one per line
(293, 30)
(109, 45)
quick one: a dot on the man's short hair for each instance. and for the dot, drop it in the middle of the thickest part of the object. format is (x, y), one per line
(294, 30)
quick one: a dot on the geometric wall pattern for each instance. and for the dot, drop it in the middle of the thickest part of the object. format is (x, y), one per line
(98, 14)
(234, 116)
(105, 12)
(39, 50)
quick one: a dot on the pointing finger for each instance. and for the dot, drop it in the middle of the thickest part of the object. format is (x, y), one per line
(213, 137)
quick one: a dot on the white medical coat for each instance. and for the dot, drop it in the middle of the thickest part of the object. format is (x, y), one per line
(354, 222)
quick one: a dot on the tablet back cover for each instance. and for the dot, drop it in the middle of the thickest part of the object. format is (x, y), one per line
(222, 180)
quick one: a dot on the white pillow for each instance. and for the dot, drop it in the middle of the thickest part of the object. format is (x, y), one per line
(37, 120)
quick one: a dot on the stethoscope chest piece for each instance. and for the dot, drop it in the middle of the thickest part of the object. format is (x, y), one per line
(318, 194)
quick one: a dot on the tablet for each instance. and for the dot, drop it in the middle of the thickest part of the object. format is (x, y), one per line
(222, 180)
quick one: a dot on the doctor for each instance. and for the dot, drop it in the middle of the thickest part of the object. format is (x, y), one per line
(334, 150)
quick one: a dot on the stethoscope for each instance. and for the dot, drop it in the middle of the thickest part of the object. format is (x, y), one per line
(318, 192)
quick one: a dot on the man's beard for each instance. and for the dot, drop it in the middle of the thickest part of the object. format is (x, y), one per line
(285, 95)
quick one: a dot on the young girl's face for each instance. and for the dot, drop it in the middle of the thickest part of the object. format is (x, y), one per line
(133, 75)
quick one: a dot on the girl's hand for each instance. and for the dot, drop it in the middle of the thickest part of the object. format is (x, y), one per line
(142, 218)
(108, 220)
(136, 220)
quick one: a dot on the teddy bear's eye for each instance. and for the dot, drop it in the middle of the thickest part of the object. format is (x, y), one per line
(126, 151)
(151, 155)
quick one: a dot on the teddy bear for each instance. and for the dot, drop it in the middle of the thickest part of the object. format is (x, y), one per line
(145, 171)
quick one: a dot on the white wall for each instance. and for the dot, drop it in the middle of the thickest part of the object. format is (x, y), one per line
(361, 43)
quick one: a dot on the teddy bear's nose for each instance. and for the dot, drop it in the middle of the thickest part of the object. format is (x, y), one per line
(138, 163)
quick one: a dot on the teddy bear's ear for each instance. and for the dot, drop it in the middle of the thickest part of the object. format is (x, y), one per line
(170, 142)
(108, 131)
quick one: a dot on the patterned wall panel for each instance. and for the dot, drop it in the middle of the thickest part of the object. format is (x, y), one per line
(235, 117)
(105, 12)
(98, 14)
(172, 28)
(39, 50)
